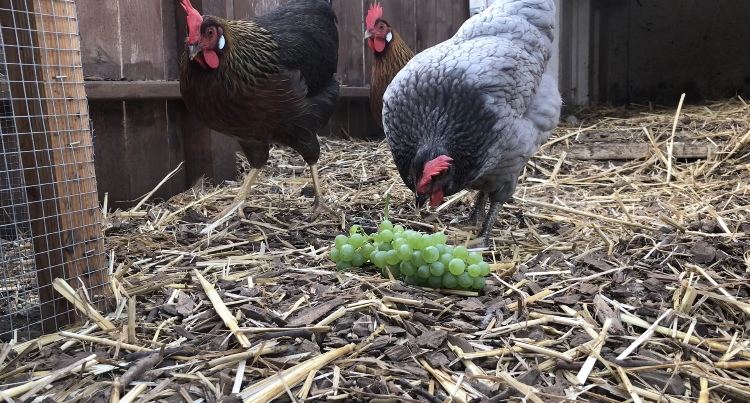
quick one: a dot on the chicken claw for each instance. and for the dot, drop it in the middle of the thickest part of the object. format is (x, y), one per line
(478, 211)
(249, 181)
(318, 205)
(489, 221)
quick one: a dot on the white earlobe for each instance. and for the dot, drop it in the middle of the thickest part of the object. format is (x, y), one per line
(222, 42)
(389, 37)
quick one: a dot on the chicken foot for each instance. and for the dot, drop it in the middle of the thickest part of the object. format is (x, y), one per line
(249, 181)
(477, 213)
(318, 205)
(489, 222)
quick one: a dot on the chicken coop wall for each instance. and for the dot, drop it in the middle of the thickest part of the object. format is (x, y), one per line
(142, 129)
(625, 51)
(50, 226)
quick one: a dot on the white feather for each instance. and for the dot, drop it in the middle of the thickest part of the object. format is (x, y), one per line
(222, 42)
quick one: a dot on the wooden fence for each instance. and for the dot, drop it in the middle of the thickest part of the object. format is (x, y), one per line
(131, 51)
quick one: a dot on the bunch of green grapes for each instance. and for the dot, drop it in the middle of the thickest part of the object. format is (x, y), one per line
(419, 259)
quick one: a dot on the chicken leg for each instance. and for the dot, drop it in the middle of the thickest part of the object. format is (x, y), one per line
(318, 205)
(489, 221)
(477, 213)
(249, 181)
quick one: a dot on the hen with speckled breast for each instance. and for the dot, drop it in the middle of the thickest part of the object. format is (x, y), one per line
(265, 80)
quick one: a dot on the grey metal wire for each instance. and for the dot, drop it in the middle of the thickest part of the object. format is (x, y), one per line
(20, 312)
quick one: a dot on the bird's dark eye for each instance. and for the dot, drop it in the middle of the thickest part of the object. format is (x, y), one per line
(210, 32)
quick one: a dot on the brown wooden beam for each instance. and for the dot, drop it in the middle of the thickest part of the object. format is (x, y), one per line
(132, 90)
(631, 151)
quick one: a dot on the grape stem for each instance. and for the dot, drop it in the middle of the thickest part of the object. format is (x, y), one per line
(387, 204)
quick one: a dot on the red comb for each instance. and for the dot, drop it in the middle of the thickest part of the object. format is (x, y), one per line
(375, 12)
(432, 168)
(194, 21)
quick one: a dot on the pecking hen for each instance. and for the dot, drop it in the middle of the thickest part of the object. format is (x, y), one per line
(389, 55)
(266, 80)
(468, 113)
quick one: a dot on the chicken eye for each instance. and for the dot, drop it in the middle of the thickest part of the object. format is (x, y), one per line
(210, 32)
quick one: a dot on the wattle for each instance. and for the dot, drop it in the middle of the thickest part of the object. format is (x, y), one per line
(211, 58)
(436, 198)
(379, 44)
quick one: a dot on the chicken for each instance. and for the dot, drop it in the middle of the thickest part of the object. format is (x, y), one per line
(468, 113)
(389, 55)
(266, 80)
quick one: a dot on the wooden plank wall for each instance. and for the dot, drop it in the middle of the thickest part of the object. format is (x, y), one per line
(138, 142)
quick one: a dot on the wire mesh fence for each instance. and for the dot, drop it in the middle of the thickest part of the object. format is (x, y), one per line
(49, 213)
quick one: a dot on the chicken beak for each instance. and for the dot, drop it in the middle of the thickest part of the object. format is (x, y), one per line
(421, 199)
(194, 50)
(368, 34)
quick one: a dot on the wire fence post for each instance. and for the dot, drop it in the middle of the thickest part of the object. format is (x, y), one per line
(52, 226)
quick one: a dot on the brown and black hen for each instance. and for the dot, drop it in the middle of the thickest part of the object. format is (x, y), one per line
(389, 55)
(266, 80)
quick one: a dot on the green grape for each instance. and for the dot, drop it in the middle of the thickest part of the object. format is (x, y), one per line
(465, 280)
(394, 271)
(356, 240)
(485, 268)
(354, 229)
(408, 232)
(366, 250)
(391, 257)
(460, 252)
(430, 254)
(440, 238)
(377, 237)
(417, 258)
(449, 280)
(342, 265)
(387, 235)
(407, 269)
(398, 236)
(410, 280)
(398, 243)
(426, 241)
(372, 255)
(386, 225)
(398, 228)
(474, 258)
(385, 246)
(440, 248)
(474, 270)
(379, 260)
(413, 240)
(435, 282)
(479, 283)
(405, 252)
(358, 260)
(341, 240)
(448, 249)
(437, 269)
(335, 254)
(347, 253)
(423, 272)
(456, 266)
(445, 259)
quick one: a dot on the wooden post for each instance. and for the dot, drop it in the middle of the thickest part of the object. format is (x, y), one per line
(42, 51)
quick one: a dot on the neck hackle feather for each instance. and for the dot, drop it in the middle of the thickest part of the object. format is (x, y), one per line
(375, 13)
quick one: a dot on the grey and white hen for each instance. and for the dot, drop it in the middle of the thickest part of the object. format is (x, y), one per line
(469, 112)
